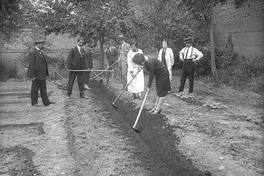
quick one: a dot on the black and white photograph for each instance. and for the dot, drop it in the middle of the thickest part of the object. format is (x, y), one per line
(131, 87)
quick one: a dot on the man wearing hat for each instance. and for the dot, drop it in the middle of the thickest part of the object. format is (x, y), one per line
(38, 72)
(122, 51)
(189, 55)
(166, 57)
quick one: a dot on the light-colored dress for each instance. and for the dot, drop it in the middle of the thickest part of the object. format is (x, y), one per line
(137, 85)
(123, 51)
(169, 57)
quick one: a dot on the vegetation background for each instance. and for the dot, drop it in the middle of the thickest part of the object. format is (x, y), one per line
(148, 21)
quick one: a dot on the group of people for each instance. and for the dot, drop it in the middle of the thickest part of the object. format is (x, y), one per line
(160, 69)
(128, 62)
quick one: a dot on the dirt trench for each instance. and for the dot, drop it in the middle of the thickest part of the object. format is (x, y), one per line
(154, 132)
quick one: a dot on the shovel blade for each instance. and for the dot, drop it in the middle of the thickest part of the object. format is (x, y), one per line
(114, 105)
(136, 130)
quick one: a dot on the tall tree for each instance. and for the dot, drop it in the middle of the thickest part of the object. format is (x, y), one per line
(204, 9)
(96, 20)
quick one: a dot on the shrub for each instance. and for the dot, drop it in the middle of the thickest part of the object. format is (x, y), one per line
(243, 72)
(8, 69)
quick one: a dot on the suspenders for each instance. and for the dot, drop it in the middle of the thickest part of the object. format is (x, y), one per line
(186, 54)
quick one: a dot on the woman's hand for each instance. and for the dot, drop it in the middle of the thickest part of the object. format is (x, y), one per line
(132, 72)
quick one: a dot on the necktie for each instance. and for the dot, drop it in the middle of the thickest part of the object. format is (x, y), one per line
(82, 52)
(186, 53)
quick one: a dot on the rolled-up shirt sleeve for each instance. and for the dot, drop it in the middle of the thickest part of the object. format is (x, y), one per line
(197, 53)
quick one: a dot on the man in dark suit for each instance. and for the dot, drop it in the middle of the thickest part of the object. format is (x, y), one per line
(38, 72)
(78, 60)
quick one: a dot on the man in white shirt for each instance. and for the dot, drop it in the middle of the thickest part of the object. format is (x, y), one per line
(189, 55)
(166, 57)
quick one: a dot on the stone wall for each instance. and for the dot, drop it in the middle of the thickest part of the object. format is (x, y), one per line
(245, 24)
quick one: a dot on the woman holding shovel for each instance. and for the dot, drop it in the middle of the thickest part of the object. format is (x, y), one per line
(158, 71)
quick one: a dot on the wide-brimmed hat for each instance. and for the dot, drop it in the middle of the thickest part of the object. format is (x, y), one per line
(39, 40)
(139, 59)
(188, 40)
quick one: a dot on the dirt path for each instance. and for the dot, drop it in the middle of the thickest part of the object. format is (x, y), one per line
(220, 131)
(103, 144)
(217, 133)
(32, 139)
(74, 137)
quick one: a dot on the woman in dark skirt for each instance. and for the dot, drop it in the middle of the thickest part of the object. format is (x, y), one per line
(158, 71)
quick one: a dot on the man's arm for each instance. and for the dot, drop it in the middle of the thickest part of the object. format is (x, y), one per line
(198, 54)
(90, 59)
(69, 59)
(32, 66)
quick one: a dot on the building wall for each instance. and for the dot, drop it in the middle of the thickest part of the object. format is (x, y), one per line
(58, 45)
(245, 24)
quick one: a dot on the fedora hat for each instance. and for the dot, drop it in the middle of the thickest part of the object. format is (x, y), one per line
(39, 40)
(188, 39)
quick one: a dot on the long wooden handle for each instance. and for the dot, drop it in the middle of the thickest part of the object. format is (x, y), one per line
(140, 110)
(110, 66)
(91, 70)
(126, 86)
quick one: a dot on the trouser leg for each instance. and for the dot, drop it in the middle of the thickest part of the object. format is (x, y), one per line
(183, 78)
(72, 76)
(160, 103)
(80, 83)
(191, 69)
(34, 91)
(156, 102)
(43, 92)
(87, 78)
(107, 77)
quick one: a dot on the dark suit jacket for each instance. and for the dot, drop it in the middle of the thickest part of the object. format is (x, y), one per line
(75, 61)
(112, 56)
(38, 66)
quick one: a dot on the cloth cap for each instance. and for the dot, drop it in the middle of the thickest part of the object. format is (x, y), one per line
(139, 59)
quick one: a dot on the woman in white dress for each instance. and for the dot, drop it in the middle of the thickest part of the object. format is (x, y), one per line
(137, 84)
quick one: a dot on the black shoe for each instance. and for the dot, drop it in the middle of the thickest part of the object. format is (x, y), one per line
(83, 97)
(133, 97)
(36, 105)
(157, 111)
(51, 102)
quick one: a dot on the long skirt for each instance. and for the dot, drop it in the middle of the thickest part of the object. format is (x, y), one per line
(137, 84)
(163, 83)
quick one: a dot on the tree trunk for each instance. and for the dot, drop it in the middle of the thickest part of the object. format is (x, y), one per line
(212, 45)
(101, 42)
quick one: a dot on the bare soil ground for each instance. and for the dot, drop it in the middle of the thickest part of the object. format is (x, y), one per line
(77, 137)
(219, 132)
